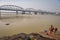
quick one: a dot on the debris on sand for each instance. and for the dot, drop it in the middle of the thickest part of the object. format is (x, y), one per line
(7, 24)
(23, 36)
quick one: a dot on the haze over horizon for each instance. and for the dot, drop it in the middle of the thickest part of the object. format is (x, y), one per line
(46, 5)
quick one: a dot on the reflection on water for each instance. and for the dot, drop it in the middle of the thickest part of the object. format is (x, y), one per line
(28, 24)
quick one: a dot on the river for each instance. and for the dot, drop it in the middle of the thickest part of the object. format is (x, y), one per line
(28, 24)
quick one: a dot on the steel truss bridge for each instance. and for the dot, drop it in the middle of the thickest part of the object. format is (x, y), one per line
(17, 8)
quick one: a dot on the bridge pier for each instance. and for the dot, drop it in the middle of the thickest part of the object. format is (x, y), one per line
(16, 13)
(29, 12)
(39, 13)
(35, 13)
(23, 12)
(42, 13)
(0, 14)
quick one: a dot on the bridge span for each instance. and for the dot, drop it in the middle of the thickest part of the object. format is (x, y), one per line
(17, 8)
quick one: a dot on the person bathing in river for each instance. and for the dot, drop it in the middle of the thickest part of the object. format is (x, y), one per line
(52, 30)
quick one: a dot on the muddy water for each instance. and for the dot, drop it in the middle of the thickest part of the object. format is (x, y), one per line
(28, 24)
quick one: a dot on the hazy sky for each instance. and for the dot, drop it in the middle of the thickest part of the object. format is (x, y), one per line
(49, 5)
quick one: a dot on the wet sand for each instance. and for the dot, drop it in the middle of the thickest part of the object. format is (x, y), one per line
(28, 24)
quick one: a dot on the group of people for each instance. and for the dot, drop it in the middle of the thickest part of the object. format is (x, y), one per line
(52, 30)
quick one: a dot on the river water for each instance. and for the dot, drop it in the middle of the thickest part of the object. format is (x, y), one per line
(28, 24)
